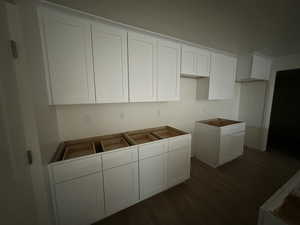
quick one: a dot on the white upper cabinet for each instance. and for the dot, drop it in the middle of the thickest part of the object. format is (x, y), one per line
(142, 52)
(68, 57)
(110, 63)
(195, 62)
(168, 62)
(253, 67)
(222, 77)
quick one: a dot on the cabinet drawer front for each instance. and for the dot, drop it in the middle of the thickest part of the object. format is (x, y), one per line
(231, 129)
(122, 157)
(179, 142)
(153, 149)
(76, 168)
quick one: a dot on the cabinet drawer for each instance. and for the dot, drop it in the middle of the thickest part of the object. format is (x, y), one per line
(235, 128)
(122, 157)
(153, 149)
(179, 142)
(76, 168)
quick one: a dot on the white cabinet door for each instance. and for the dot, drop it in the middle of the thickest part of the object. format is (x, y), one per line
(231, 147)
(203, 63)
(121, 187)
(195, 61)
(68, 58)
(168, 85)
(142, 67)
(177, 166)
(260, 67)
(110, 63)
(152, 175)
(222, 77)
(189, 60)
(80, 201)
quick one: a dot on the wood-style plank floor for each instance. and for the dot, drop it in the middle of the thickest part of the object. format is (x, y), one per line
(229, 195)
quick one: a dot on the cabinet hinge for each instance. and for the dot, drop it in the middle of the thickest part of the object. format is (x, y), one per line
(14, 49)
(29, 157)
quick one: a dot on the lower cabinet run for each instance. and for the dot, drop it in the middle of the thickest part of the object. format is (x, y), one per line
(89, 188)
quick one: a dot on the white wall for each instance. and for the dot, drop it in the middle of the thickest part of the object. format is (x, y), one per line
(252, 102)
(278, 64)
(79, 121)
(45, 116)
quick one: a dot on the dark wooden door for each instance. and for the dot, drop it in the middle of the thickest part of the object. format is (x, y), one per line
(284, 132)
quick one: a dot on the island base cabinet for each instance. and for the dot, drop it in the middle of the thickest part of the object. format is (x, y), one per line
(152, 175)
(76, 205)
(121, 187)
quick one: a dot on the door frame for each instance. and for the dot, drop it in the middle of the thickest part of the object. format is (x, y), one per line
(38, 172)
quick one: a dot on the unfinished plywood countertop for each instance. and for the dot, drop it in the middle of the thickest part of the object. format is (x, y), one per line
(87, 146)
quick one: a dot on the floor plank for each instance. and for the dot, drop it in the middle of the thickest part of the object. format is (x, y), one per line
(229, 195)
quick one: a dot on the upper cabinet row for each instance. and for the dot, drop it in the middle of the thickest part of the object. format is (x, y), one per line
(88, 62)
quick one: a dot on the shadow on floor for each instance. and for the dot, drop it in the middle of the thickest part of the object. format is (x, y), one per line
(228, 195)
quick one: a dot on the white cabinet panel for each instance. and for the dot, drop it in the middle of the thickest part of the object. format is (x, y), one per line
(142, 67)
(110, 63)
(189, 60)
(152, 149)
(68, 57)
(80, 201)
(168, 61)
(251, 67)
(76, 168)
(222, 77)
(122, 157)
(152, 175)
(177, 167)
(121, 187)
(195, 61)
(203, 63)
(231, 146)
(180, 142)
(261, 67)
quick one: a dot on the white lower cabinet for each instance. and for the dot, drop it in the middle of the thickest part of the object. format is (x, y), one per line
(80, 201)
(178, 162)
(178, 170)
(152, 175)
(121, 187)
(89, 188)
